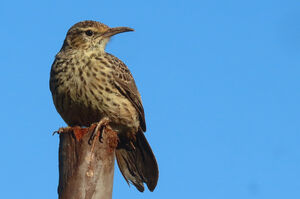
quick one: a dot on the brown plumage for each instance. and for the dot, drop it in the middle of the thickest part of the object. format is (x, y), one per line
(88, 84)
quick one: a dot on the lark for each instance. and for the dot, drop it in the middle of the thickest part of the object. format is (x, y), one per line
(89, 84)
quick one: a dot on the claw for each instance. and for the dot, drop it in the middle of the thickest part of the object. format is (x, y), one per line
(61, 130)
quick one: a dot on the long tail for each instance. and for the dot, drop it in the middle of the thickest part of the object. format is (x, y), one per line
(138, 165)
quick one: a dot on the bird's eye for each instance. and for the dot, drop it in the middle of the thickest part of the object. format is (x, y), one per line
(89, 33)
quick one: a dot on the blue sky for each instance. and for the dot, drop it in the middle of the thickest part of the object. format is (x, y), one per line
(219, 82)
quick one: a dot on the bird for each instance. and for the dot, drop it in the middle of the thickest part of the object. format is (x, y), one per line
(89, 84)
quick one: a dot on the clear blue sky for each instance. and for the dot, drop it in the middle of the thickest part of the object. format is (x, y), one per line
(219, 82)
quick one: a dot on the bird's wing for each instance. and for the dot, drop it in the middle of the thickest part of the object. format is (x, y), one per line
(125, 83)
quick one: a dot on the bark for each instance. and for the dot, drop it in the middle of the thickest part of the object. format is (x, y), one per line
(86, 169)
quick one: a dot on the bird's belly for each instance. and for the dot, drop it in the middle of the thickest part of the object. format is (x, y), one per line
(84, 106)
(78, 112)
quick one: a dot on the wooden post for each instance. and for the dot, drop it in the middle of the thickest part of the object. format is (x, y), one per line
(86, 170)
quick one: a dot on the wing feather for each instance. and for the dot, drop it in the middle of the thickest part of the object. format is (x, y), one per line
(125, 83)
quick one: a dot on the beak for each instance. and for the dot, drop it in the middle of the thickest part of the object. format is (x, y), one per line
(113, 31)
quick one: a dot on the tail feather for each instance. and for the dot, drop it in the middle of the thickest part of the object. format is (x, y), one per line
(138, 165)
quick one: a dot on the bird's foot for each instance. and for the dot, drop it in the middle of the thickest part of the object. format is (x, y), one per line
(63, 130)
(99, 129)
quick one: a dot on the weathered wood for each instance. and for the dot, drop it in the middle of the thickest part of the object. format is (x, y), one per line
(86, 170)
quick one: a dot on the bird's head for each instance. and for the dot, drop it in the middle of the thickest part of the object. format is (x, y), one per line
(90, 35)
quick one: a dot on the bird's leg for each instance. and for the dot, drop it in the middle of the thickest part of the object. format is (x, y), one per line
(101, 126)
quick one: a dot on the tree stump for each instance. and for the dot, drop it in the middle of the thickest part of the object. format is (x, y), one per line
(86, 170)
